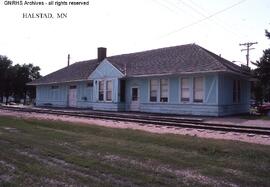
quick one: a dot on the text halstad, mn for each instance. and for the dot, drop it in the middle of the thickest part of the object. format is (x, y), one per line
(40, 15)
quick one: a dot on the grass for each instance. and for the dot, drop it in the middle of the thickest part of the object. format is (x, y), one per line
(255, 117)
(49, 153)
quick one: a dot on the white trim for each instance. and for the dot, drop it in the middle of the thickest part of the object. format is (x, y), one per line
(158, 90)
(180, 89)
(193, 93)
(104, 91)
(81, 80)
(210, 89)
(105, 61)
(186, 73)
(139, 100)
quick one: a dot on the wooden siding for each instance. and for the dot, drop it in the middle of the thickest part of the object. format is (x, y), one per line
(217, 96)
(59, 97)
(105, 70)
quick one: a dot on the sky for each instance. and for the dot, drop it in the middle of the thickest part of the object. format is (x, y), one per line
(126, 26)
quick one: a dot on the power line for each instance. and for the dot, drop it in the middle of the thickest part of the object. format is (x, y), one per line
(205, 18)
(217, 21)
(248, 45)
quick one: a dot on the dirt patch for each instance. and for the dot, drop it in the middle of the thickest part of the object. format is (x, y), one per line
(75, 170)
(6, 175)
(11, 130)
(185, 175)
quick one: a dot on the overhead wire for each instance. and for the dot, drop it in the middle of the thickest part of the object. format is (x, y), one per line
(204, 19)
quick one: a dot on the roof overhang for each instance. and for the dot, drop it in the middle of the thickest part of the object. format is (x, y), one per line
(49, 83)
(189, 73)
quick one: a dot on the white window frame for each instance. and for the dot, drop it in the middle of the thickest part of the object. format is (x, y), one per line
(203, 90)
(180, 90)
(99, 90)
(158, 90)
(237, 91)
(105, 90)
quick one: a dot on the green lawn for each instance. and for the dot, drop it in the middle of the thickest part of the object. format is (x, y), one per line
(48, 153)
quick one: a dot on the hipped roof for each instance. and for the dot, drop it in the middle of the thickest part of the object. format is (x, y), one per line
(190, 58)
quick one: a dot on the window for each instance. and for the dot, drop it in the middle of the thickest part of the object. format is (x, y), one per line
(153, 90)
(105, 90)
(108, 90)
(54, 87)
(236, 91)
(164, 90)
(89, 84)
(198, 89)
(185, 89)
(122, 90)
(101, 90)
(134, 94)
(73, 87)
(159, 88)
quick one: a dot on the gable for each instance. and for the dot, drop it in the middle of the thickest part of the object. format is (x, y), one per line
(105, 70)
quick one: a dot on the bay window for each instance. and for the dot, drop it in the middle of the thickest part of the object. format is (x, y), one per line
(109, 90)
(101, 90)
(105, 90)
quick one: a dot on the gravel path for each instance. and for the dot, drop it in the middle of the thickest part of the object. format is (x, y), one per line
(251, 138)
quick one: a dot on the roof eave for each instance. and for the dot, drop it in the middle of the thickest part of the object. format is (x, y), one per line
(61, 82)
(184, 73)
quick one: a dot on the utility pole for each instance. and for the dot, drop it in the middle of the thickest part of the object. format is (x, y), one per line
(248, 45)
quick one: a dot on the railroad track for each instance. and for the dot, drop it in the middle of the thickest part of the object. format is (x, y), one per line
(148, 119)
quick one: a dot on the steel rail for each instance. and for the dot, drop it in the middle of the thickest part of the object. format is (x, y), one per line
(150, 119)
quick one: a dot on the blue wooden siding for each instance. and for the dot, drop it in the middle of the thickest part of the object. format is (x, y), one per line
(225, 95)
(217, 96)
(84, 95)
(56, 97)
(59, 97)
(106, 71)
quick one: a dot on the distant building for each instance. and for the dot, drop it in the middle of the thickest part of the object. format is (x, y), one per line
(186, 79)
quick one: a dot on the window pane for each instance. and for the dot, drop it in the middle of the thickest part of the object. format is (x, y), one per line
(198, 89)
(109, 90)
(101, 91)
(134, 94)
(236, 91)
(164, 86)
(184, 89)
(153, 90)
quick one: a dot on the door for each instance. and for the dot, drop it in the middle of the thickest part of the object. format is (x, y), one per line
(135, 99)
(72, 97)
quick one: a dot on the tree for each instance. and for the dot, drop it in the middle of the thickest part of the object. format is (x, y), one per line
(25, 73)
(262, 73)
(5, 69)
(13, 79)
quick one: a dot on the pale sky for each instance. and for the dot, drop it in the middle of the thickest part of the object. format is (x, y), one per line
(125, 26)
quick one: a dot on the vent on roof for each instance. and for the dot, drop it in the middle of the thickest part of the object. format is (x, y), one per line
(102, 53)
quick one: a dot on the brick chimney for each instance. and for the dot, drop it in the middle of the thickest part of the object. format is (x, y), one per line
(102, 53)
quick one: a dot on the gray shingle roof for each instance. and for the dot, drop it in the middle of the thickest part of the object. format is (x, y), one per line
(75, 72)
(189, 58)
